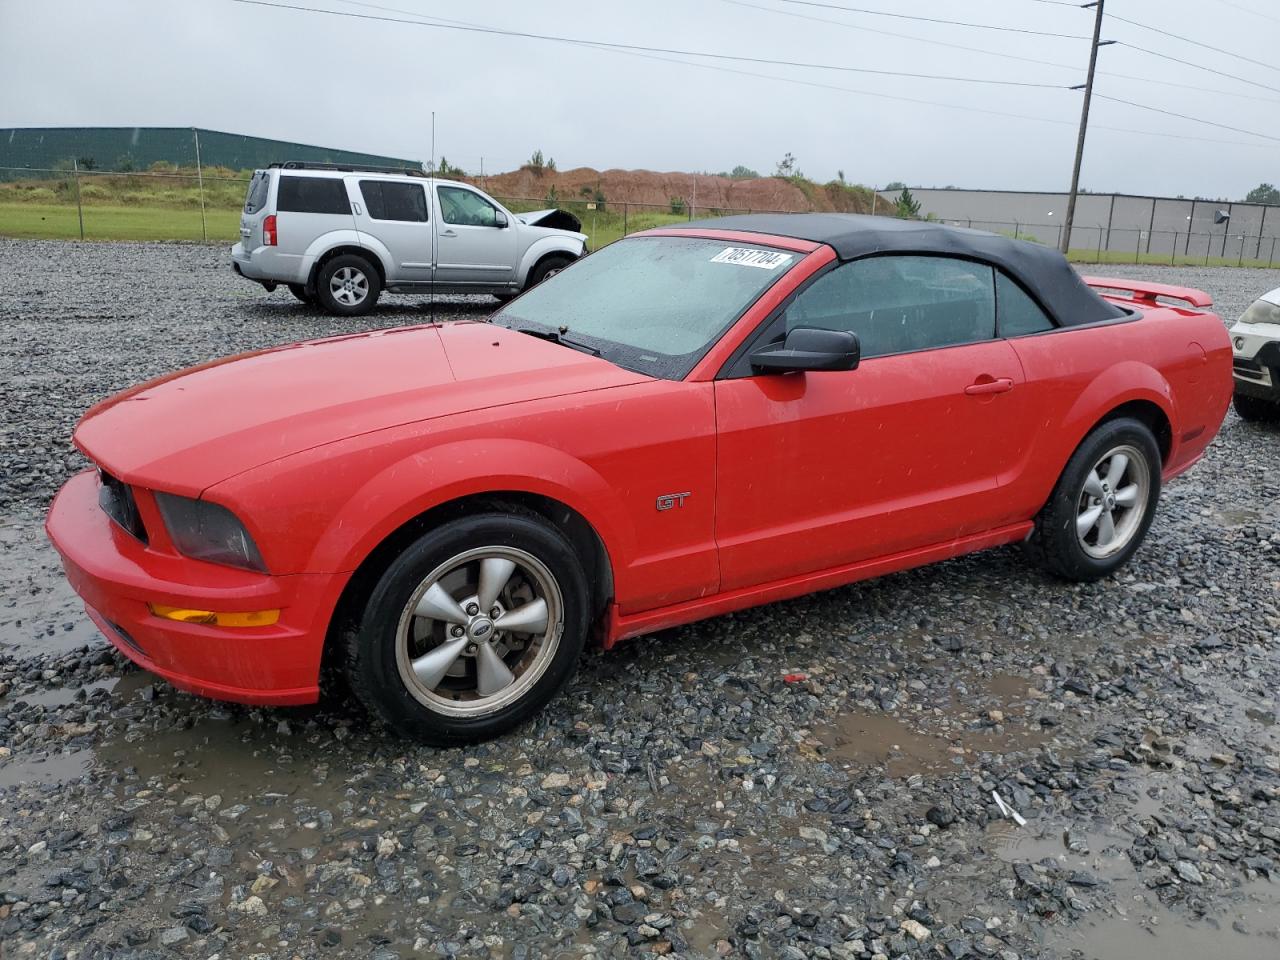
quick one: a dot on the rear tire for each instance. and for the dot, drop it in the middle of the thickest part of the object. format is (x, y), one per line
(1103, 504)
(300, 292)
(1256, 409)
(348, 285)
(416, 660)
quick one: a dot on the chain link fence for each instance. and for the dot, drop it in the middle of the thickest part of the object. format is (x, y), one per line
(203, 204)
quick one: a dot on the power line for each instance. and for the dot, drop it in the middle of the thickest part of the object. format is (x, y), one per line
(646, 49)
(649, 53)
(1256, 13)
(1198, 66)
(991, 53)
(1183, 116)
(902, 36)
(950, 23)
(1197, 43)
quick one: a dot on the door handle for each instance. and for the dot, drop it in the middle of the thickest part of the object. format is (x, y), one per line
(448, 233)
(983, 388)
(356, 208)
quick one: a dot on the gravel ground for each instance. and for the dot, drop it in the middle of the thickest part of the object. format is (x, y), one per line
(809, 779)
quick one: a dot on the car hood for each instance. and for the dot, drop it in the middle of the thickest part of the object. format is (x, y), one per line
(187, 431)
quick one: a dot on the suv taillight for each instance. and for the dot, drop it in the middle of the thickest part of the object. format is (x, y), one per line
(269, 231)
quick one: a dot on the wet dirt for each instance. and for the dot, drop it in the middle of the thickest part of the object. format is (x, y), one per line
(40, 611)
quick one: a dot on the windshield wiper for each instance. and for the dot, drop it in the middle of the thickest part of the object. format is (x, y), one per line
(558, 336)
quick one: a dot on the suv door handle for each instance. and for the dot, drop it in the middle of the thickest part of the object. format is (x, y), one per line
(355, 208)
(982, 388)
(448, 233)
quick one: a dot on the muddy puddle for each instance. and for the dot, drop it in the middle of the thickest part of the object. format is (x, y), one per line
(1141, 928)
(39, 612)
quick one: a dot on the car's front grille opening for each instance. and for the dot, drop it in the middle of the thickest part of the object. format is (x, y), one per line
(116, 500)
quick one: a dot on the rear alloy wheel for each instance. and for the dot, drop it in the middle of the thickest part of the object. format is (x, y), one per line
(1103, 504)
(1256, 409)
(471, 630)
(347, 285)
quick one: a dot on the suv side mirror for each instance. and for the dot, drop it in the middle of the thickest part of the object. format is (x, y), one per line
(808, 348)
(499, 219)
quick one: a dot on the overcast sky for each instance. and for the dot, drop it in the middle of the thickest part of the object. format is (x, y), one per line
(370, 85)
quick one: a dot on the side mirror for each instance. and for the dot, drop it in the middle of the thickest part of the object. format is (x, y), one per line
(499, 219)
(808, 348)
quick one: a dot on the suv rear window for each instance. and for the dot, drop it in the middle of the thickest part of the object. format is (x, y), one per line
(388, 200)
(312, 195)
(258, 188)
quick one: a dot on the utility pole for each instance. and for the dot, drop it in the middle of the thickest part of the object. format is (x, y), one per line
(1084, 125)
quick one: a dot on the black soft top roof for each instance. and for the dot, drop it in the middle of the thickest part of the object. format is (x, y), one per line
(1044, 272)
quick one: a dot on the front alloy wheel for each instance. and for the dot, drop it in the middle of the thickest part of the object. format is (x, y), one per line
(472, 629)
(479, 631)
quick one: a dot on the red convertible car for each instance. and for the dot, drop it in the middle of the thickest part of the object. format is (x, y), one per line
(688, 422)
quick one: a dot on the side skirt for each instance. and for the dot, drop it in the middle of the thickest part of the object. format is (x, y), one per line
(619, 627)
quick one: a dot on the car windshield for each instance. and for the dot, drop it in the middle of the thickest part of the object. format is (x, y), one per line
(655, 305)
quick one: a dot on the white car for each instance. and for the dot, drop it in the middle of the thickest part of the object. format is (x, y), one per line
(339, 236)
(1255, 340)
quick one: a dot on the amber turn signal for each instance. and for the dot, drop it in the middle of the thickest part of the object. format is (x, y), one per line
(255, 618)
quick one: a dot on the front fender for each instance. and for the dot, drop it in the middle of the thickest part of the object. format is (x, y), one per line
(346, 238)
(410, 487)
(566, 244)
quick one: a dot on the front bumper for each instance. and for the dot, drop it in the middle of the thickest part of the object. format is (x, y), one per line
(117, 576)
(1256, 359)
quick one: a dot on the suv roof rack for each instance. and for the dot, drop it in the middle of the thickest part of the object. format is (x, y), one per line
(348, 168)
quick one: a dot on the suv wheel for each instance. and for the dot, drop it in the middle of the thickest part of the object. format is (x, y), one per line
(1256, 409)
(471, 630)
(348, 285)
(545, 268)
(1103, 504)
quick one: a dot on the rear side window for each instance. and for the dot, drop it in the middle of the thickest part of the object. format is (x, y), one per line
(258, 189)
(386, 200)
(1017, 313)
(901, 304)
(312, 195)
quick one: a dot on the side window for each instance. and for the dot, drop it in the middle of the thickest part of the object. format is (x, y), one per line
(312, 195)
(900, 304)
(388, 200)
(1018, 314)
(465, 208)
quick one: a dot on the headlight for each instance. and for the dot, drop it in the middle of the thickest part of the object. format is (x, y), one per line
(1261, 311)
(206, 531)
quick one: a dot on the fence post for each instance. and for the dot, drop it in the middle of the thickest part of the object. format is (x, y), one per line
(624, 219)
(1015, 229)
(1272, 259)
(1111, 211)
(204, 227)
(1137, 248)
(1173, 250)
(75, 166)
(1151, 226)
(1099, 260)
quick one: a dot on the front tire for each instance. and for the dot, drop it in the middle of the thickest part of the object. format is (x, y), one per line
(546, 268)
(348, 285)
(1256, 409)
(471, 630)
(1103, 504)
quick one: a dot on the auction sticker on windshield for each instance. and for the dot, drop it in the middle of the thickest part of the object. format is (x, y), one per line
(746, 257)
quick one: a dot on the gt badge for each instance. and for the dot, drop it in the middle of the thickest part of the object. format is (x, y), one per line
(669, 500)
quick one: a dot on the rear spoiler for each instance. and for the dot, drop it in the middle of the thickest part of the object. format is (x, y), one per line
(1144, 294)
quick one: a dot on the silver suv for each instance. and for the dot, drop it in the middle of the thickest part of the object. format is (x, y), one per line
(340, 236)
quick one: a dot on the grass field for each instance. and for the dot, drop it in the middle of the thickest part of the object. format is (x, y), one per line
(182, 221)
